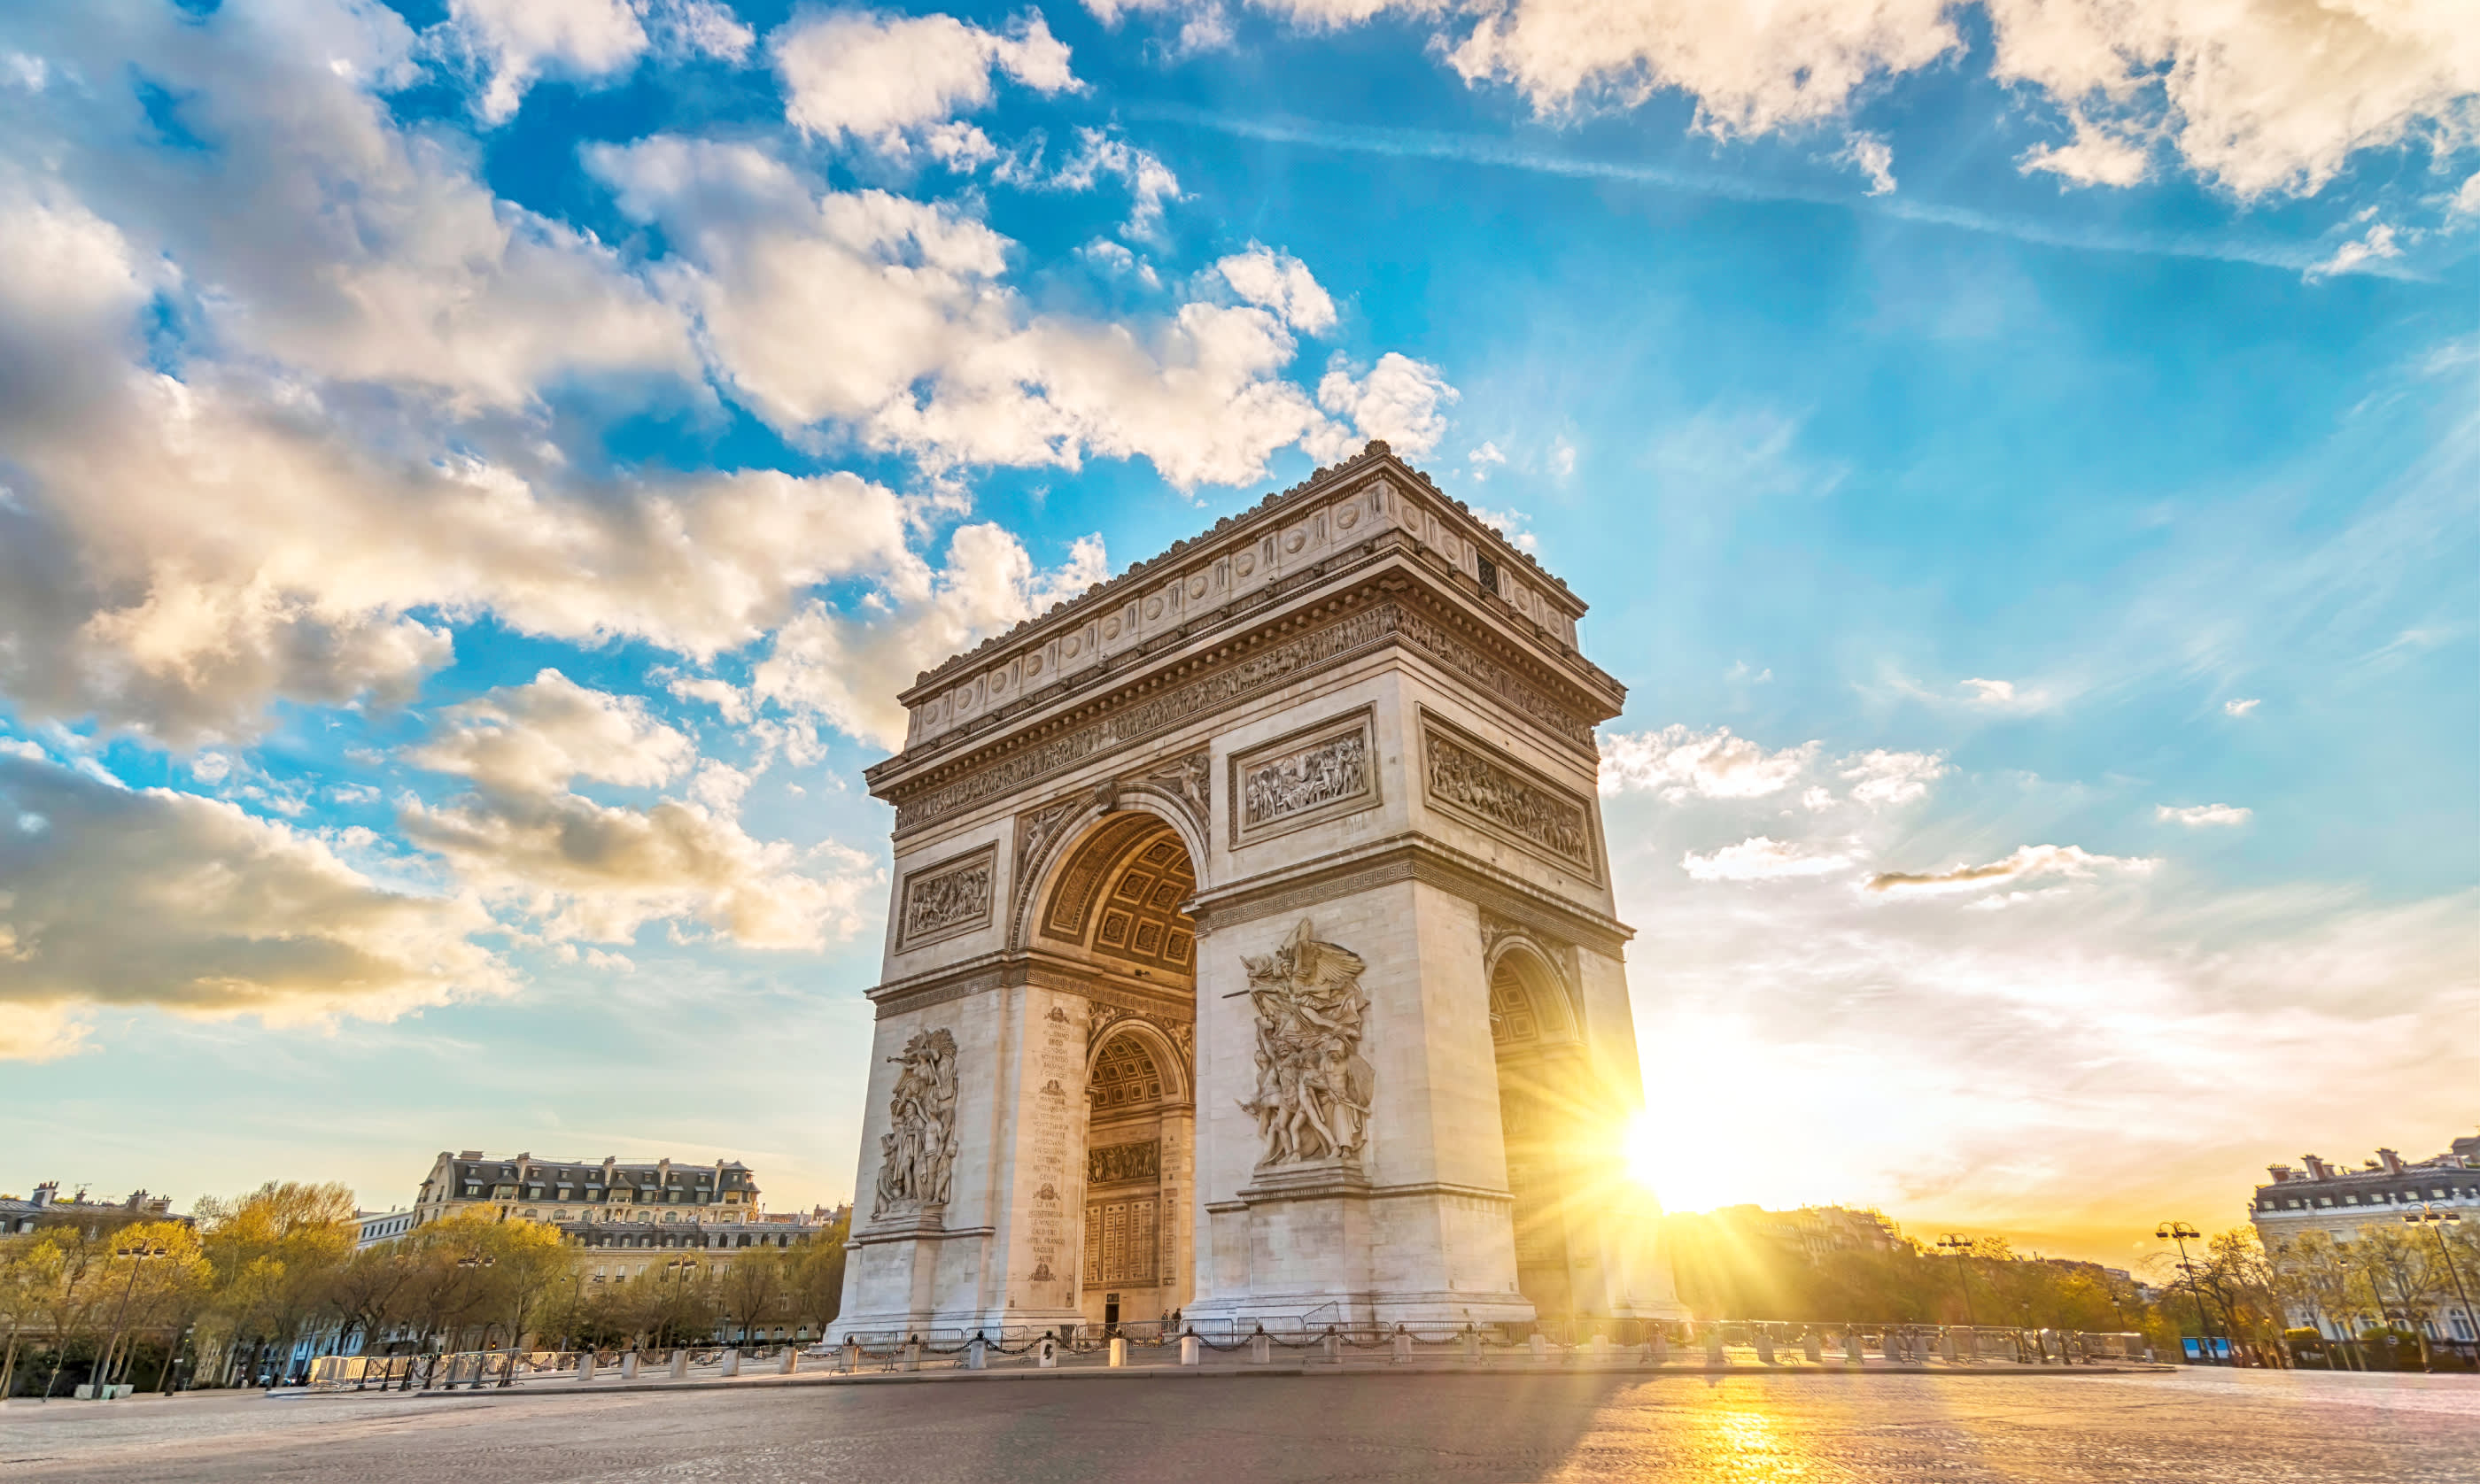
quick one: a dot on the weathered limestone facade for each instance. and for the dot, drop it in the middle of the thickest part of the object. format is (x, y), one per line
(1252, 951)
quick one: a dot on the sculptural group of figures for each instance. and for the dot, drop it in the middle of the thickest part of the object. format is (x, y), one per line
(919, 1150)
(1313, 1087)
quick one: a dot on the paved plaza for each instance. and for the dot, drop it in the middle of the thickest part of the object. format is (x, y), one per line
(2187, 1425)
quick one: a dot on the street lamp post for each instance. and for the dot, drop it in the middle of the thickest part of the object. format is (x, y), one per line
(2179, 1232)
(2428, 1216)
(1961, 1247)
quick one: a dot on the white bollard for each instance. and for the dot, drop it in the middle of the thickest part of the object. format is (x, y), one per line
(1713, 1345)
(1945, 1346)
(1119, 1353)
(851, 1360)
(681, 1364)
(1765, 1346)
(790, 1363)
(1403, 1347)
(1851, 1344)
(1261, 1350)
(1188, 1349)
(913, 1353)
(586, 1366)
(1812, 1348)
(1045, 1353)
(1601, 1350)
(1540, 1346)
(732, 1362)
(1472, 1344)
(628, 1366)
(977, 1354)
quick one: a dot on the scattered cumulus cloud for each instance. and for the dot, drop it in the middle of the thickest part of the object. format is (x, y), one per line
(2201, 815)
(1282, 284)
(897, 82)
(1872, 157)
(1761, 859)
(2375, 246)
(2028, 862)
(1510, 523)
(1401, 400)
(2242, 707)
(1879, 778)
(1677, 762)
(155, 898)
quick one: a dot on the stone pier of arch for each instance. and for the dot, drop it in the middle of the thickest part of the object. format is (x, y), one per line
(1252, 953)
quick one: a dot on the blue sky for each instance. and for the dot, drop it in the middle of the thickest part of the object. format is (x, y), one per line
(473, 477)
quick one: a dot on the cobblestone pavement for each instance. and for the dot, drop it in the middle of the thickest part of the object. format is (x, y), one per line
(2203, 1426)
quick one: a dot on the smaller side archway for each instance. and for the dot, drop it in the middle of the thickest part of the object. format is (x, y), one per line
(1544, 1105)
(1140, 1137)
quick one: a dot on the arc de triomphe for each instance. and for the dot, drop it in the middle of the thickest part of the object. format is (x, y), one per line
(1252, 952)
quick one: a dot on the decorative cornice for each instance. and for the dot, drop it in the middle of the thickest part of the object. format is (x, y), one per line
(1409, 858)
(1040, 970)
(1325, 482)
(1378, 615)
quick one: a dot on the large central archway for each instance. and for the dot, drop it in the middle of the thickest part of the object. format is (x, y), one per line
(1534, 1034)
(1113, 908)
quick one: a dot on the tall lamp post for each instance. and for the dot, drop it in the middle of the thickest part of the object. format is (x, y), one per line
(1961, 1247)
(2428, 1215)
(2179, 1232)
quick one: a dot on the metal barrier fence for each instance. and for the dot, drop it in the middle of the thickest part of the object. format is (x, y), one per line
(1698, 1345)
(1702, 1344)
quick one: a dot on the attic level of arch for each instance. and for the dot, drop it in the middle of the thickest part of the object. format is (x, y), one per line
(1385, 609)
(1297, 506)
(1228, 580)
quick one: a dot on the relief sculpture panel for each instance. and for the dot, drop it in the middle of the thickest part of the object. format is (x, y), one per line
(917, 1152)
(1302, 778)
(949, 898)
(1314, 1086)
(1467, 775)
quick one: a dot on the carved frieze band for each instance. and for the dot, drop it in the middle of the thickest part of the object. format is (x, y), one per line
(951, 897)
(1113, 1164)
(1309, 776)
(1263, 668)
(1425, 861)
(1506, 798)
(1167, 1008)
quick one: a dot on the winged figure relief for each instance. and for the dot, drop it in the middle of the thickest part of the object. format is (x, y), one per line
(1314, 1088)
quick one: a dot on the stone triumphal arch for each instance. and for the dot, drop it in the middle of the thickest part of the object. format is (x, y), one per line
(1252, 952)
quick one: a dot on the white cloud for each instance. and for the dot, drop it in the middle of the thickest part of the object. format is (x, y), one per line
(1879, 777)
(519, 40)
(2204, 814)
(1483, 460)
(1816, 799)
(2257, 96)
(572, 868)
(1278, 282)
(891, 316)
(2242, 707)
(2374, 246)
(535, 738)
(1995, 693)
(1761, 859)
(2467, 199)
(2028, 862)
(847, 669)
(1510, 523)
(1874, 158)
(891, 81)
(722, 695)
(1563, 459)
(1678, 763)
(156, 898)
(1401, 400)
(1150, 183)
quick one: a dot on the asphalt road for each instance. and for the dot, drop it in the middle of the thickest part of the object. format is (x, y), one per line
(2188, 1426)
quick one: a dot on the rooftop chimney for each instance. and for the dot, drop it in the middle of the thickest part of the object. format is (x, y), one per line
(2394, 1161)
(46, 1193)
(2317, 1170)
